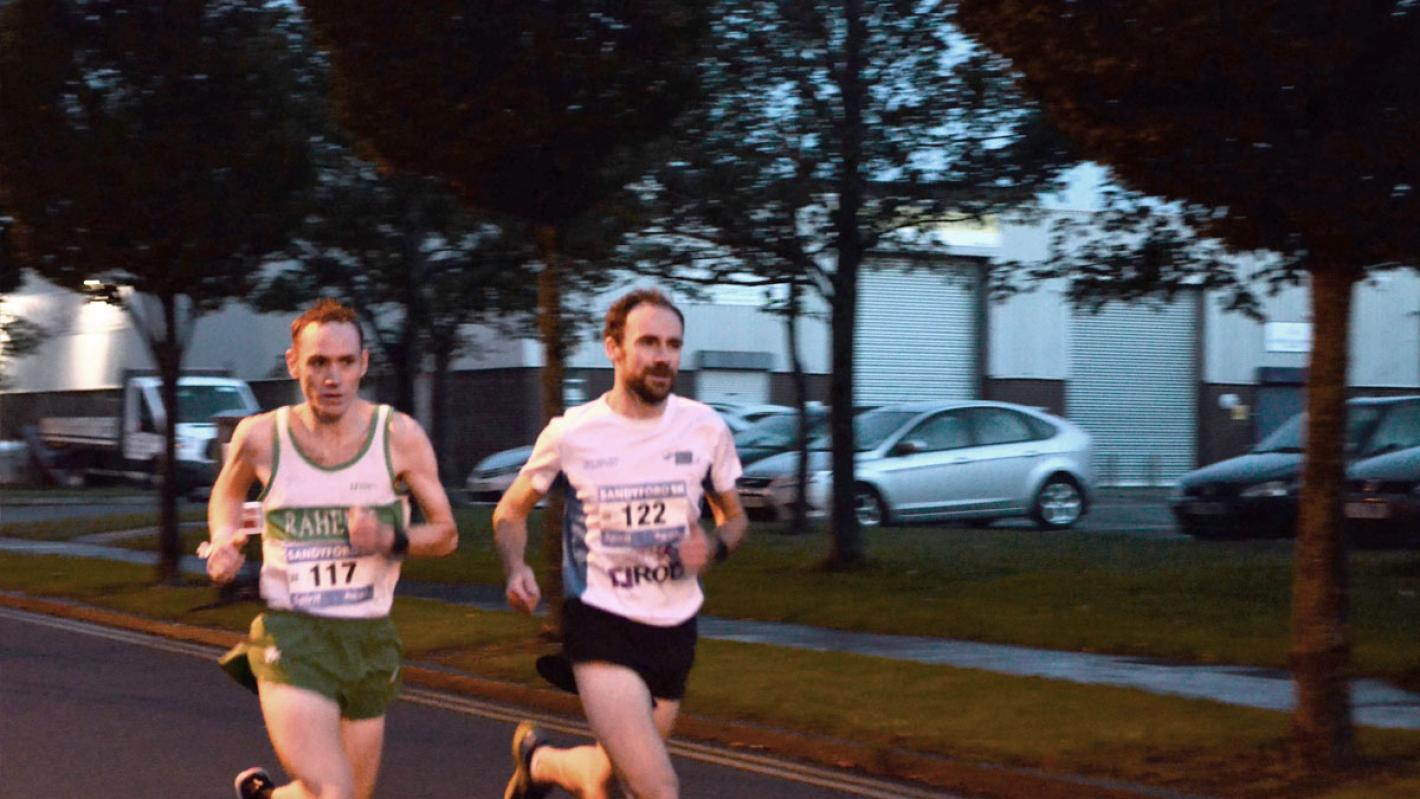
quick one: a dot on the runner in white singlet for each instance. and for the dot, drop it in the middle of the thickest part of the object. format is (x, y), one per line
(337, 473)
(637, 461)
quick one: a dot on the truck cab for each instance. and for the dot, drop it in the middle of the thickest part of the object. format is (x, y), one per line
(125, 440)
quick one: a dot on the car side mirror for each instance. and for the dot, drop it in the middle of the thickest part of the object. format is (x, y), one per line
(909, 446)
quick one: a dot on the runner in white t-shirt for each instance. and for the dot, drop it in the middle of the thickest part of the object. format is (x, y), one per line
(636, 463)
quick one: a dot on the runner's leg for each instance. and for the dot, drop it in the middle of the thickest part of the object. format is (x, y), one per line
(305, 730)
(586, 771)
(618, 708)
(363, 741)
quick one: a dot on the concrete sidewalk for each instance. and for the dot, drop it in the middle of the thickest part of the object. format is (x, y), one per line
(1375, 703)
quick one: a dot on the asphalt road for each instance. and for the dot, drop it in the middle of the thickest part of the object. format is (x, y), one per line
(94, 712)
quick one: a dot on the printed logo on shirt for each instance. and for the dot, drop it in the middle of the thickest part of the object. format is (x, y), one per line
(632, 576)
(599, 463)
(681, 457)
(308, 523)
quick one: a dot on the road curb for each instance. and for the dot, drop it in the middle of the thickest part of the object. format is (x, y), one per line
(984, 780)
(122, 499)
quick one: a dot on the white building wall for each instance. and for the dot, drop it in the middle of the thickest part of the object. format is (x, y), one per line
(1029, 333)
(1234, 346)
(1385, 331)
(88, 345)
(250, 345)
(1385, 334)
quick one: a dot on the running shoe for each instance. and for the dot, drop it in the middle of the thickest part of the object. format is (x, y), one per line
(254, 783)
(526, 739)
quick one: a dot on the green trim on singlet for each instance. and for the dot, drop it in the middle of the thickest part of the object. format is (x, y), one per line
(389, 459)
(275, 455)
(369, 438)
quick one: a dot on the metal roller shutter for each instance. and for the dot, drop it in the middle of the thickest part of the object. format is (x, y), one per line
(1133, 387)
(916, 333)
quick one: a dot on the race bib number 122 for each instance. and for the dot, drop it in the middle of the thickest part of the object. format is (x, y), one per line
(643, 515)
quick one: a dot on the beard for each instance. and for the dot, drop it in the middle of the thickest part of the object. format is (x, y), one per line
(647, 393)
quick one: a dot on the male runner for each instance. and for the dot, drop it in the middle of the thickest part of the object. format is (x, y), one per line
(336, 470)
(636, 461)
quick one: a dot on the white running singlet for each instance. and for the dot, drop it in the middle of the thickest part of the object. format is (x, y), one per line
(307, 563)
(634, 486)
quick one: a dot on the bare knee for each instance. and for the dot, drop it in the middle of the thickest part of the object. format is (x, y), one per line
(335, 792)
(655, 786)
(313, 789)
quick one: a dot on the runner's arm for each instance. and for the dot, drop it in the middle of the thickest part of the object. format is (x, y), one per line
(249, 445)
(510, 534)
(731, 524)
(438, 534)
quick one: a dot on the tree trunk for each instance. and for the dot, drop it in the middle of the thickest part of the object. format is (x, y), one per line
(167, 351)
(554, 343)
(411, 356)
(439, 421)
(847, 544)
(798, 521)
(1321, 724)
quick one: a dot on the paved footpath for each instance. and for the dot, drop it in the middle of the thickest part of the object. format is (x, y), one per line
(1375, 703)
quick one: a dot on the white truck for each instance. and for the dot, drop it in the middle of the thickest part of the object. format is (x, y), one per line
(118, 433)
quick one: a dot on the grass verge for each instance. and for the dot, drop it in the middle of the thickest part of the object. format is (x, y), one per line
(1184, 600)
(1196, 746)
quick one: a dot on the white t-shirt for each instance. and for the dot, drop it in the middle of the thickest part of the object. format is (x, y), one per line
(634, 486)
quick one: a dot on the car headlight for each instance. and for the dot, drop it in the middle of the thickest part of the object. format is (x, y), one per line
(1271, 488)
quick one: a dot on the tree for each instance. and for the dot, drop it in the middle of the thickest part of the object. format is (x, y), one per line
(158, 144)
(537, 111)
(1275, 127)
(412, 261)
(829, 127)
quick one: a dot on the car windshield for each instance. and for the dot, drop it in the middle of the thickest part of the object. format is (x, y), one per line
(1292, 435)
(870, 429)
(775, 431)
(1398, 428)
(201, 403)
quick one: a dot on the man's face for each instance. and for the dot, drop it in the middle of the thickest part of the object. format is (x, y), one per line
(328, 362)
(647, 358)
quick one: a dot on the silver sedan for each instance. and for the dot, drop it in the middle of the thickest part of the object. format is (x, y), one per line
(924, 461)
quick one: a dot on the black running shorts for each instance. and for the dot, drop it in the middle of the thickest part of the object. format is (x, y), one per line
(661, 655)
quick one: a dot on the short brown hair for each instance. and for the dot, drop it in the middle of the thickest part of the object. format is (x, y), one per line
(326, 311)
(616, 315)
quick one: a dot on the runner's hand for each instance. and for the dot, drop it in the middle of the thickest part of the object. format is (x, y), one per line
(225, 559)
(523, 594)
(367, 534)
(696, 549)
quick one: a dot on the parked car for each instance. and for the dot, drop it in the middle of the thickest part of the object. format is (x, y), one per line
(740, 416)
(777, 433)
(1255, 495)
(1382, 505)
(492, 475)
(975, 460)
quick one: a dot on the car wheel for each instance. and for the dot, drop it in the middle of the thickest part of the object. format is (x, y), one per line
(868, 504)
(1058, 504)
